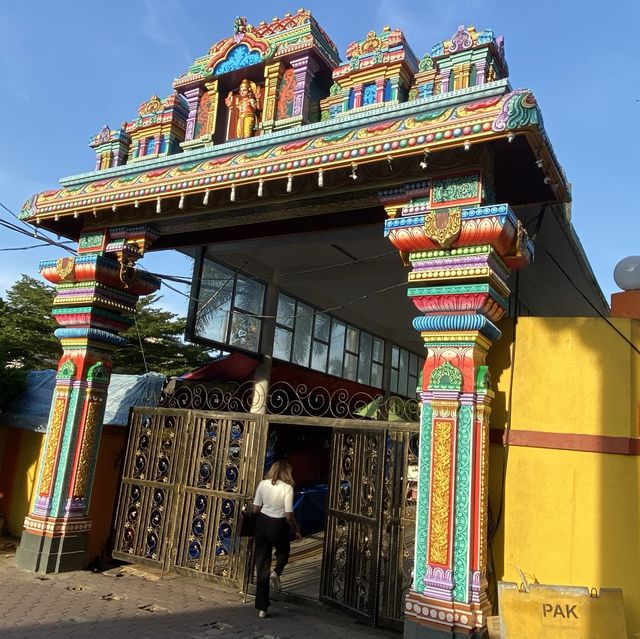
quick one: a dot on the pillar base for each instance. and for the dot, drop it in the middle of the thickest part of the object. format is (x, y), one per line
(414, 630)
(44, 554)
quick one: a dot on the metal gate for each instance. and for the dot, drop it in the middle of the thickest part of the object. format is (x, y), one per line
(187, 473)
(185, 478)
(369, 534)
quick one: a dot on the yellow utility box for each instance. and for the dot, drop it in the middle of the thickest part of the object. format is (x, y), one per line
(560, 612)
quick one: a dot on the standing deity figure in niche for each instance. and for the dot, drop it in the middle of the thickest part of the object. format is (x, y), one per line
(247, 107)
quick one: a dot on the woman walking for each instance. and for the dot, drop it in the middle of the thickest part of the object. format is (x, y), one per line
(274, 504)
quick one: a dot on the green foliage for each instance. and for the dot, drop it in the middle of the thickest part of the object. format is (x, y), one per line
(27, 341)
(26, 326)
(26, 335)
(161, 336)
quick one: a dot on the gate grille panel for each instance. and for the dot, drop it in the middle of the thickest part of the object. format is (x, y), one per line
(148, 492)
(352, 536)
(398, 524)
(221, 473)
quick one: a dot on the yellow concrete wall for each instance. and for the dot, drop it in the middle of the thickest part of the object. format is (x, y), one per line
(23, 493)
(569, 517)
(21, 484)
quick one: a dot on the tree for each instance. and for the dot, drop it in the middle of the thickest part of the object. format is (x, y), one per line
(26, 335)
(26, 326)
(27, 341)
(161, 334)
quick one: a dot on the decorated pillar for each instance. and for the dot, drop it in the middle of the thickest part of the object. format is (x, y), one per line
(214, 96)
(445, 77)
(193, 100)
(272, 77)
(461, 250)
(305, 69)
(96, 294)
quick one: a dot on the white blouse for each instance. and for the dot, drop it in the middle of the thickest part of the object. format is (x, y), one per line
(275, 500)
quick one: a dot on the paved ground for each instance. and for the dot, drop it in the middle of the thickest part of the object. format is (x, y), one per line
(134, 602)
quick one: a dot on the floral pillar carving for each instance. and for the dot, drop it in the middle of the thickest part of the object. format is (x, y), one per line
(461, 251)
(214, 96)
(95, 299)
(272, 77)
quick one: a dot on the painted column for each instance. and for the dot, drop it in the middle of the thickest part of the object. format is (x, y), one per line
(95, 299)
(305, 69)
(445, 76)
(272, 77)
(212, 90)
(380, 90)
(357, 95)
(481, 70)
(461, 251)
(193, 100)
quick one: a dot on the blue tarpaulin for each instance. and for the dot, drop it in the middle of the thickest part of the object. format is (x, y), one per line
(31, 410)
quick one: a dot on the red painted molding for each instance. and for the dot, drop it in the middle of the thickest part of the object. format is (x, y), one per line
(567, 441)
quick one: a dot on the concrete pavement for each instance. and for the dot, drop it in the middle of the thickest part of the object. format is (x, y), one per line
(131, 601)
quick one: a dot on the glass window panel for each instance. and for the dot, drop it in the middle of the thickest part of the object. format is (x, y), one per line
(321, 328)
(336, 348)
(402, 378)
(282, 343)
(350, 366)
(364, 365)
(302, 335)
(412, 384)
(319, 356)
(394, 381)
(249, 295)
(395, 356)
(376, 375)
(286, 310)
(352, 339)
(216, 289)
(413, 364)
(378, 350)
(245, 331)
(213, 319)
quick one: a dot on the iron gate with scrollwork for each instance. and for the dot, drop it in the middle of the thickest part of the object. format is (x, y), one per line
(188, 471)
(186, 475)
(370, 528)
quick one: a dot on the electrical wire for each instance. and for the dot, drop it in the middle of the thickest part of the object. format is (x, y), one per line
(144, 359)
(586, 298)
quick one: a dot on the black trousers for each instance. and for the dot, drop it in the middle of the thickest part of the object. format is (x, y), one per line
(270, 533)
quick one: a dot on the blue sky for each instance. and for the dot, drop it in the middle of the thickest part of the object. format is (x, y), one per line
(67, 68)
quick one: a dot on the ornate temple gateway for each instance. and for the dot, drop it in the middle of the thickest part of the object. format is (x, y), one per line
(309, 191)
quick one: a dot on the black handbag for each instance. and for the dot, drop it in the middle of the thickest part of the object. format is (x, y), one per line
(247, 522)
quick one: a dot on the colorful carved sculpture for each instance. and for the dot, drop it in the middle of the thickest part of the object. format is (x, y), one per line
(245, 108)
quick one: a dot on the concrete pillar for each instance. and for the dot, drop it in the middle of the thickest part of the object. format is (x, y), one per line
(460, 256)
(96, 296)
(262, 374)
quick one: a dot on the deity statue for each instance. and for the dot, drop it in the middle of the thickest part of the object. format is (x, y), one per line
(247, 105)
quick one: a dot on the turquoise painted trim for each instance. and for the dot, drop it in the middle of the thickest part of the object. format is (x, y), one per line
(445, 323)
(94, 334)
(342, 123)
(422, 509)
(65, 455)
(462, 509)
